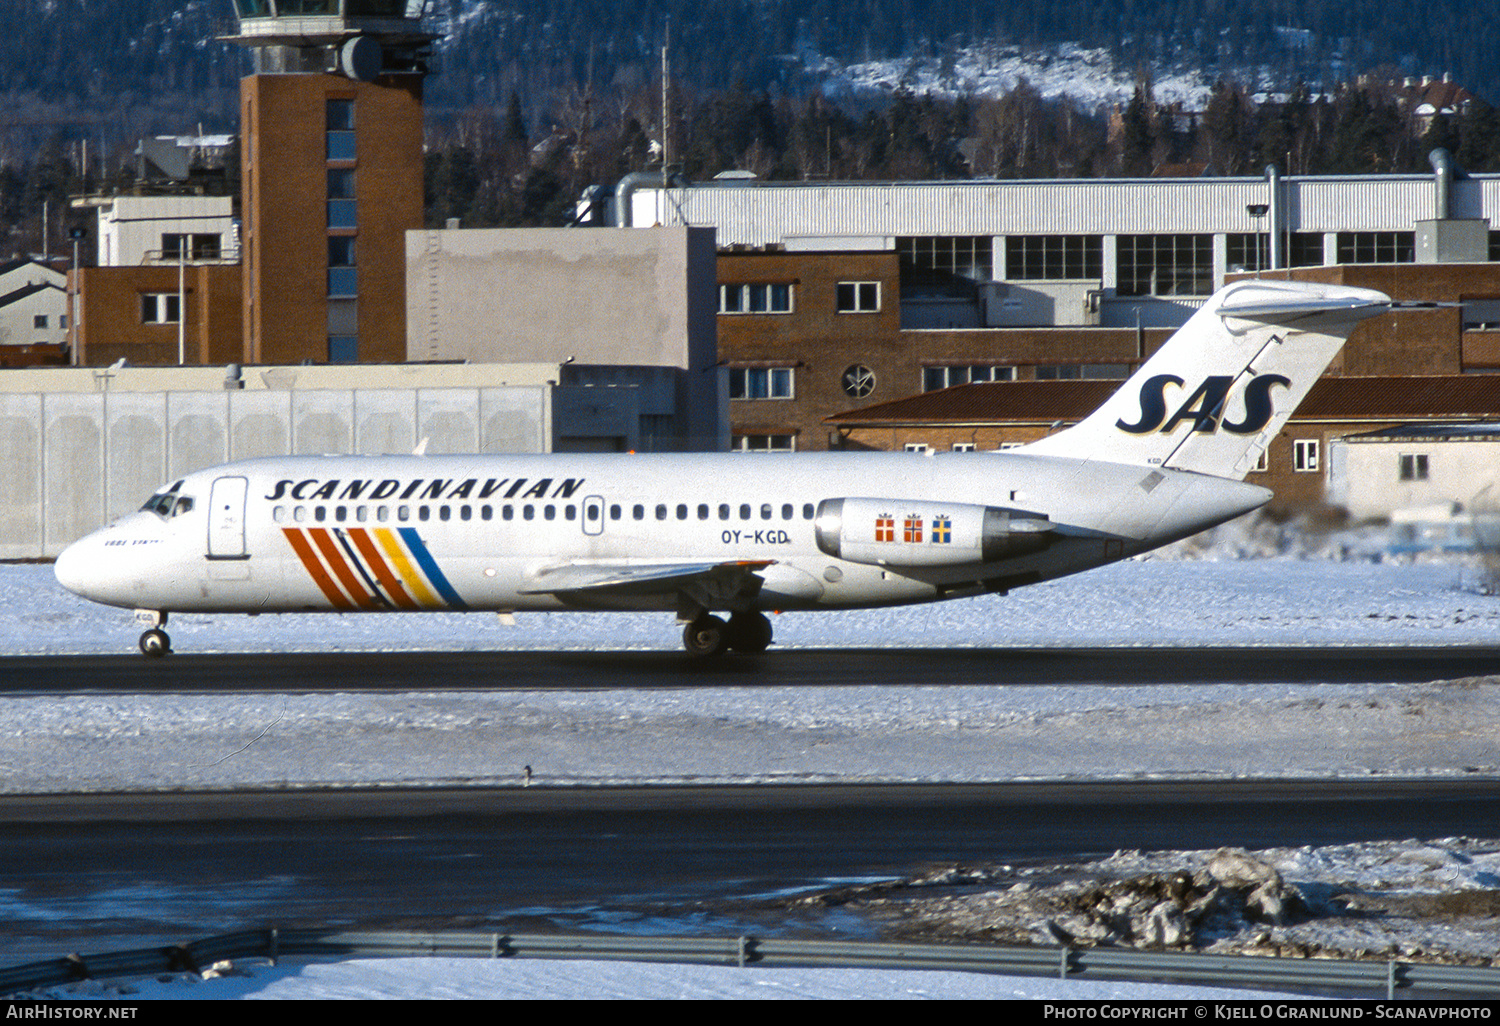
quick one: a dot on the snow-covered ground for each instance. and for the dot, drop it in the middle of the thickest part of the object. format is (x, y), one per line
(1335, 591)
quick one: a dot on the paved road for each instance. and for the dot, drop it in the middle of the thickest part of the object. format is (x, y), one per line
(95, 874)
(402, 671)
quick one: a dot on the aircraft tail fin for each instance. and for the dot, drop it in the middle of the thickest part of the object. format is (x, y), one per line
(1214, 395)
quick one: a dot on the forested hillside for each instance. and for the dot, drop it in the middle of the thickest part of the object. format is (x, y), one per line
(530, 102)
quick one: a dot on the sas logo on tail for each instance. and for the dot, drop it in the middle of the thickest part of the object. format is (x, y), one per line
(1205, 407)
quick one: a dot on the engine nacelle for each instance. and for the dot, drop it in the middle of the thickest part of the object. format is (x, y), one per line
(903, 532)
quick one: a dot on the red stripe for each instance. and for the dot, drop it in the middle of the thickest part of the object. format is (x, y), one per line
(315, 569)
(339, 563)
(383, 574)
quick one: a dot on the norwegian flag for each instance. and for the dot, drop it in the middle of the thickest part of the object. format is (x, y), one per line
(912, 531)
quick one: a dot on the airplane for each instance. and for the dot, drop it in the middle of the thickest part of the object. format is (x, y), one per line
(700, 534)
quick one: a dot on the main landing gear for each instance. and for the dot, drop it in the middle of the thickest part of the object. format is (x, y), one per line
(154, 642)
(708, 635)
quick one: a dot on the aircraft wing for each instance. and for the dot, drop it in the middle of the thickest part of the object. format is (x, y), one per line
(710, 583)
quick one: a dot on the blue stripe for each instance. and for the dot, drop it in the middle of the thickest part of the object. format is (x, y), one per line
(430, 568)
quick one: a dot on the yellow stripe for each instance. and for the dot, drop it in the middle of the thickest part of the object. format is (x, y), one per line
(414, 581)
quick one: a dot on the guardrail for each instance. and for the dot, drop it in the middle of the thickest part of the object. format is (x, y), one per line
(1313, 975)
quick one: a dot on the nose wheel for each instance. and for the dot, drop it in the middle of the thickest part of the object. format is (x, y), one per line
(155, 643)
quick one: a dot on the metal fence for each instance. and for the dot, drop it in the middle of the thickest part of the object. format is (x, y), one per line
(1307, 976)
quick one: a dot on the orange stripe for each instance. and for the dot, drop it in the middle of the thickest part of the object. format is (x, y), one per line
(382, 572)
(314, 568)
(339, 563)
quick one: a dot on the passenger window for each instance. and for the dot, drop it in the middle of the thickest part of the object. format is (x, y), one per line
(486, 512)
(403, 513)
(339, 513)
(278, 514)
(745, 511)
(361, 513)
(661, 511)
(786, 511)
(765, 511)
(507, 513)
(614, 512)
(382, 513)
(682, 511)
(299, 514)
(702, 511)
(320, 514)
(424, 512)
(723, 511)
(466, 512)
(807, 511)
(443, 513)
(570, 512)
(528, 512)
(549, 511)
(638, 511)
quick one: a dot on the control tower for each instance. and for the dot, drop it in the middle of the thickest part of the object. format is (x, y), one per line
(332, 177)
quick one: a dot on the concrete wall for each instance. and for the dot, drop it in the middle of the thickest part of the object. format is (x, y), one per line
(1365, 474)
(596, 299)
(75, 460)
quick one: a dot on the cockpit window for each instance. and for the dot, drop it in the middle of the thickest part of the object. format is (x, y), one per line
(168, 503)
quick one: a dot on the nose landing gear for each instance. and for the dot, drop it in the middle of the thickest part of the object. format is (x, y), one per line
(154, 642)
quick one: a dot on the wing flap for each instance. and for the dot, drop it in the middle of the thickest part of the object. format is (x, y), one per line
(631, 579)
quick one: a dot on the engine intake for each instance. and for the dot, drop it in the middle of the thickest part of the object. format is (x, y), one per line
(903, 532)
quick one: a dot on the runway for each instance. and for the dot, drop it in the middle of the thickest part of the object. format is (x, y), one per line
(95, 873)
(600, 670)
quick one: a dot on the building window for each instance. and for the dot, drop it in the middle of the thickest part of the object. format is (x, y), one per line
(1165, 265)
(160, 308)
(760, 383)
(1247, 252)
(1305, 455)
(340, 115)
(1414, 467)
(962, 256)
(949, 375)
(342, 276)
(1082, 372)
(762, 443)
(756, 298)
(965, 447)
(178, 246)
(1057, 257)
(916, 447)
(341, 206)
(1305, 249)
(858, 381)
(859, 297)
(1377, 247)
(39, 321)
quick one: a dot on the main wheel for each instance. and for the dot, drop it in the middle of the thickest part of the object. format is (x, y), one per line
(706, 636)
(749, 632)
(155, 642)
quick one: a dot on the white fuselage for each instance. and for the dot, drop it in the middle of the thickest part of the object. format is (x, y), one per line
(521, 532)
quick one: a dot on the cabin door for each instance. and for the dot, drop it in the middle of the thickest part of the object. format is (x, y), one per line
(226, 518)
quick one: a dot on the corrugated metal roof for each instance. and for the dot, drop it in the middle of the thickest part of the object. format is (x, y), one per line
(1447, 397)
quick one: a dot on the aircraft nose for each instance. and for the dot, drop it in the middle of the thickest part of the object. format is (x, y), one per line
(73, 565)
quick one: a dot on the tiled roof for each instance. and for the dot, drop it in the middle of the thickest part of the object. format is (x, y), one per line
(1044, 402)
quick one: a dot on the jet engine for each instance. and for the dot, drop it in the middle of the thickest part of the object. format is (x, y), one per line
(903, 532)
